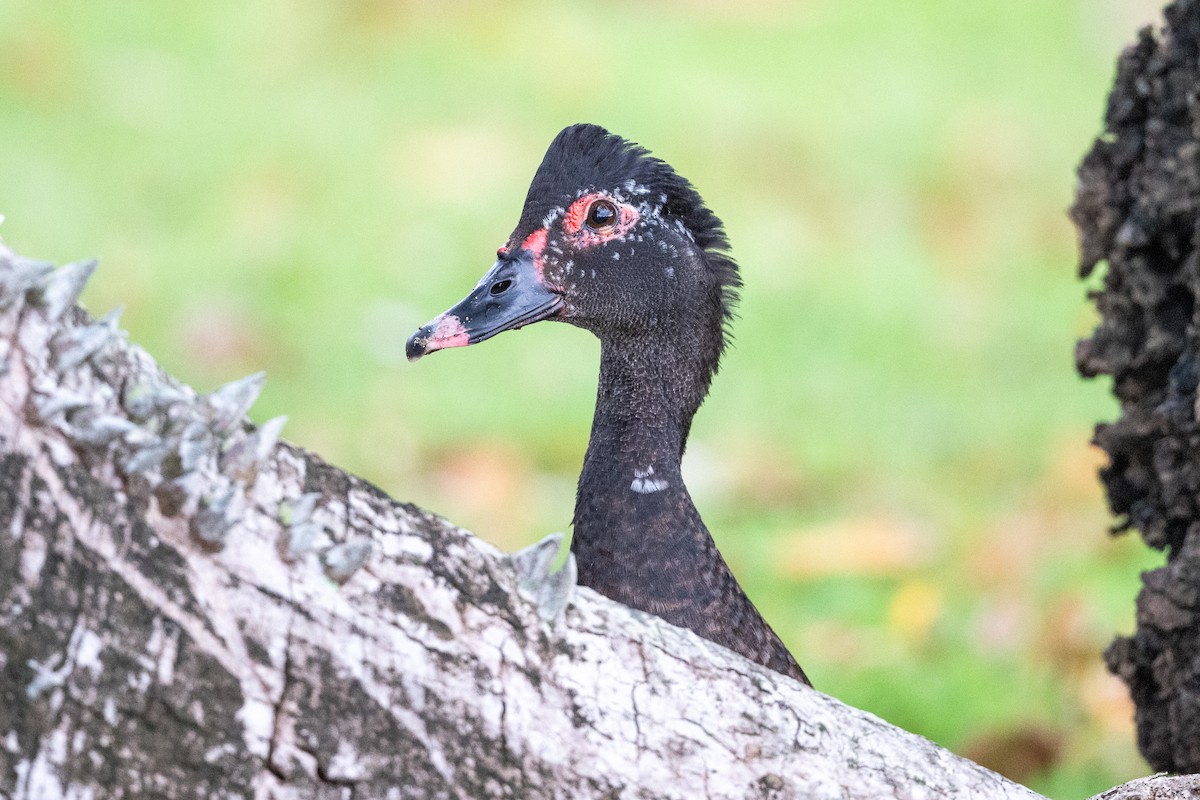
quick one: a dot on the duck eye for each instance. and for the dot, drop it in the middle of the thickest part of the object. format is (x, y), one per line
(601, 214)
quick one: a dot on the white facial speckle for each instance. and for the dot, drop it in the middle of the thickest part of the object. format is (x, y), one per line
(616, 256)
(684, 230)
(669, 272)
(644, 481)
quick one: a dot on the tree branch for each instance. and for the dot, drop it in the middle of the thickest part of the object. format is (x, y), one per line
(190, 608)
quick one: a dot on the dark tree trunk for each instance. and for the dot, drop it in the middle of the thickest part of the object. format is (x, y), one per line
(1138, 210)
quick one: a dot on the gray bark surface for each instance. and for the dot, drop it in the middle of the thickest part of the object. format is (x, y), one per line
(1155, 787)
(190, 607)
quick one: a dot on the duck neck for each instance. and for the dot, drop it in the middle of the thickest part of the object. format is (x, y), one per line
(645, 401)
(638, 537)
(632, 509)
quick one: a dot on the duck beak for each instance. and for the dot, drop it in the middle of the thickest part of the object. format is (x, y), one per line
(511, 295)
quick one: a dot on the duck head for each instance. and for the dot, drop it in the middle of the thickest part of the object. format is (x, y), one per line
(612, 240)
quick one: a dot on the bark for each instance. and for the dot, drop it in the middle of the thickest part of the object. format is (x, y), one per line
(190, 607)
(1138, 210)
(1155, 787)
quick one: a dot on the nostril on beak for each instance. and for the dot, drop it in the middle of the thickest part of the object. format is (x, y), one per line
(500, 287)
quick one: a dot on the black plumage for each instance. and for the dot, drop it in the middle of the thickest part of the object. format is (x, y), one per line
(613, 240)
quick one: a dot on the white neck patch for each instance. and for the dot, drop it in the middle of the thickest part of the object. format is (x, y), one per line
(644, 481)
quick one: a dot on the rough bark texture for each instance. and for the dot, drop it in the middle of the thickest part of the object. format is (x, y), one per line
(191, 608)
(1156, 787)
(1138, 209)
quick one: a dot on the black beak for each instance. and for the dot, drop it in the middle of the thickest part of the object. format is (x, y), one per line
(512, 295)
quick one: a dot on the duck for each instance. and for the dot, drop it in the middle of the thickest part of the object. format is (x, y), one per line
(613, 240)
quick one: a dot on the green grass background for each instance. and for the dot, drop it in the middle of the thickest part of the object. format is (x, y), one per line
(894, 457)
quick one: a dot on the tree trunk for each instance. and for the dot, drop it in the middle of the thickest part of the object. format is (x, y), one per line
(1138, 209)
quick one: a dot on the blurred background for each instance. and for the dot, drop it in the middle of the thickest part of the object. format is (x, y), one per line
(895, 456)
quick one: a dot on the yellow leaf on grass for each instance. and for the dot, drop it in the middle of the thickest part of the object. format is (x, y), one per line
(915, 607)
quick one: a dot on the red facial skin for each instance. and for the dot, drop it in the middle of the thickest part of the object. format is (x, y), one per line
(575, 221)
(578, 233)
(536, 244)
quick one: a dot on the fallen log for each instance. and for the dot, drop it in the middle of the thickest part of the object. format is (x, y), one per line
(190, 607)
